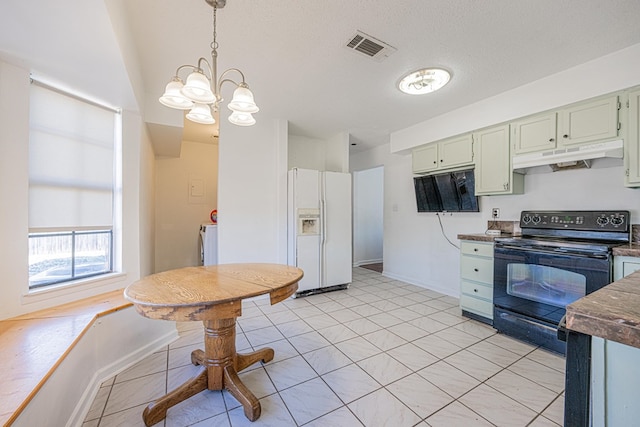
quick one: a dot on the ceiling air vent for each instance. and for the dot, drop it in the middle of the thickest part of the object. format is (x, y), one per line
(370, 46)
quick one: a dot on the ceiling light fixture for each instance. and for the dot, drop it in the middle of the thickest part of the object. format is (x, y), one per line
(201, 92)
(423, 81)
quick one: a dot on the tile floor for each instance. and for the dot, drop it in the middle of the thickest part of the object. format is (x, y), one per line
(381, 353)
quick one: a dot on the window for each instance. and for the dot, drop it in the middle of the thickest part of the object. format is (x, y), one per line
(72, 164)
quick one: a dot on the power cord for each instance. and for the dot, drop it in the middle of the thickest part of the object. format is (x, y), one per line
(443, 233)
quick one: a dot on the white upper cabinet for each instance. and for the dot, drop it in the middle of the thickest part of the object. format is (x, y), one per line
(632, 143)
(446, 154)
(494, 171)
(589, 121)
(537, 133)
(581, 123)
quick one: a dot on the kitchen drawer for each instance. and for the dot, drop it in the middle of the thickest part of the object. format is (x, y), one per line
(477, 306)
(477, 269)
(477, 290)
(468, 247)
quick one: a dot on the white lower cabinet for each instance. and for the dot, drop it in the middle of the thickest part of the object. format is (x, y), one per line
(624, 266)
(476, 280)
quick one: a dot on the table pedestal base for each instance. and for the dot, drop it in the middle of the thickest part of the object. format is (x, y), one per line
(222, 364)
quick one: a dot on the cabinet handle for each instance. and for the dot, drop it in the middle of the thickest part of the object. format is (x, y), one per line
(475, 249)
(565, 136)
(475, 290)
(551, 139)
(434, 162)
(441, 160)
(475, 269)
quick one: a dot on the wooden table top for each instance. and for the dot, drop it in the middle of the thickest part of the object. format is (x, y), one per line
(210, 292)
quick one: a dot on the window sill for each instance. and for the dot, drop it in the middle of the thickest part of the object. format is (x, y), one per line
(73, 287)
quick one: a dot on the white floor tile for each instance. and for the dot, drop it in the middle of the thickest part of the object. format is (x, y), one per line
(350, 383)
(310, 400)
(290, 372)
(326, 359)
(382, 409)
(340, 417)
(448, 378)
(497, 408)
(457, 415)
(384, 368)
(419, 395)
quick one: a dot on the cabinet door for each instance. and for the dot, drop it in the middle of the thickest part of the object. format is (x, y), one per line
(632, 144)
(493, 161)
(425, 158)
(536, 133)
(589, 121)
(624, 266)
(456, 151)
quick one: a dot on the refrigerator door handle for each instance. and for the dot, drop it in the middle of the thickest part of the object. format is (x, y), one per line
(323, 231)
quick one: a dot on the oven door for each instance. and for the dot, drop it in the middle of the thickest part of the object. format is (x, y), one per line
(539, 284)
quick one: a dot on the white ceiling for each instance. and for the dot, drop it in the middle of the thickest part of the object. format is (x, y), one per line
(292, 51)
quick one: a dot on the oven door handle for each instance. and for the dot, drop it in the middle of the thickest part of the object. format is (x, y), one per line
(558, 251)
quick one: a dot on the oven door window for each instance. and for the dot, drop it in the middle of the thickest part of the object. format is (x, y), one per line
(545, 284)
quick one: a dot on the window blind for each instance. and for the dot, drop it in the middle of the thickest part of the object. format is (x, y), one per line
(71, 162)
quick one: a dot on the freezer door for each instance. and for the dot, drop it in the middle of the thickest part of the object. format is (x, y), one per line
(304, 240)
(336, 228)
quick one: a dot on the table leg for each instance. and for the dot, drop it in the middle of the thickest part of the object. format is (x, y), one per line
(157, 410)
(222, 364)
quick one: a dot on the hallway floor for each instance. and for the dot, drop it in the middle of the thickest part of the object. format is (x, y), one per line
(381, 353)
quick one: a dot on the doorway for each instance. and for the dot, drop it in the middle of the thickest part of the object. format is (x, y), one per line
(368, 215)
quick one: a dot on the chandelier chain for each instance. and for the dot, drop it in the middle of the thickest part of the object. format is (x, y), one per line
(214, 43)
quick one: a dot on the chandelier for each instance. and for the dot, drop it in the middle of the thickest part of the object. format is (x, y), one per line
(201, 92)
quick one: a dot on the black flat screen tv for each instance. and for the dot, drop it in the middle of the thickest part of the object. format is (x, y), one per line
(446, 192)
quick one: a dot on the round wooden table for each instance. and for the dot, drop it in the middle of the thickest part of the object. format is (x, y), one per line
(213, 295)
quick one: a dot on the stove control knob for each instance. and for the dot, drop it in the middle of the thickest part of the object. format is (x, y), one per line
(602, 220)
(535, 219)
(526, 219)
(617, 220)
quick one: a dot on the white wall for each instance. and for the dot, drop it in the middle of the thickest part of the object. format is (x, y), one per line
(14, 180)
(368, 206)
(318, 154)
(306, 153)
(179, 214)
(252, 195)
(415, 249)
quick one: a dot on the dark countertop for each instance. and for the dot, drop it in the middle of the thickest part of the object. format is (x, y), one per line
(612, 312)
(631, 249)
(482, 237)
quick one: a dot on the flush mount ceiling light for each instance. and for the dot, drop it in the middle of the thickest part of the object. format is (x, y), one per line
(201, 92)
(424, 81)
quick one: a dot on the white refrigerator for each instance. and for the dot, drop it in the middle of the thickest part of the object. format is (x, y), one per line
(319, 228)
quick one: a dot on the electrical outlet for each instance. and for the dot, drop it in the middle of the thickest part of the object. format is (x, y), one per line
(495, 213)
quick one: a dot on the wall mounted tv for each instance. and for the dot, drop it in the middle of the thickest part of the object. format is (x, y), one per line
(446, 192)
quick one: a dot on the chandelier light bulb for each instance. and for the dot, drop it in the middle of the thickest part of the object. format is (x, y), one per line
(201, 113)
(243, 101)
(242, 119)
(198, 88)
(173, 96)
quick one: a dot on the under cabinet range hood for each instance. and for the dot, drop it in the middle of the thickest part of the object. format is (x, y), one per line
(570, 157)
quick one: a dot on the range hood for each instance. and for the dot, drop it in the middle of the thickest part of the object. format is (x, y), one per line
(569, 157)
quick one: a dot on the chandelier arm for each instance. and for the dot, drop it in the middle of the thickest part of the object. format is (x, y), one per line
(222, 79)
(182, 67)
(211, 75)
